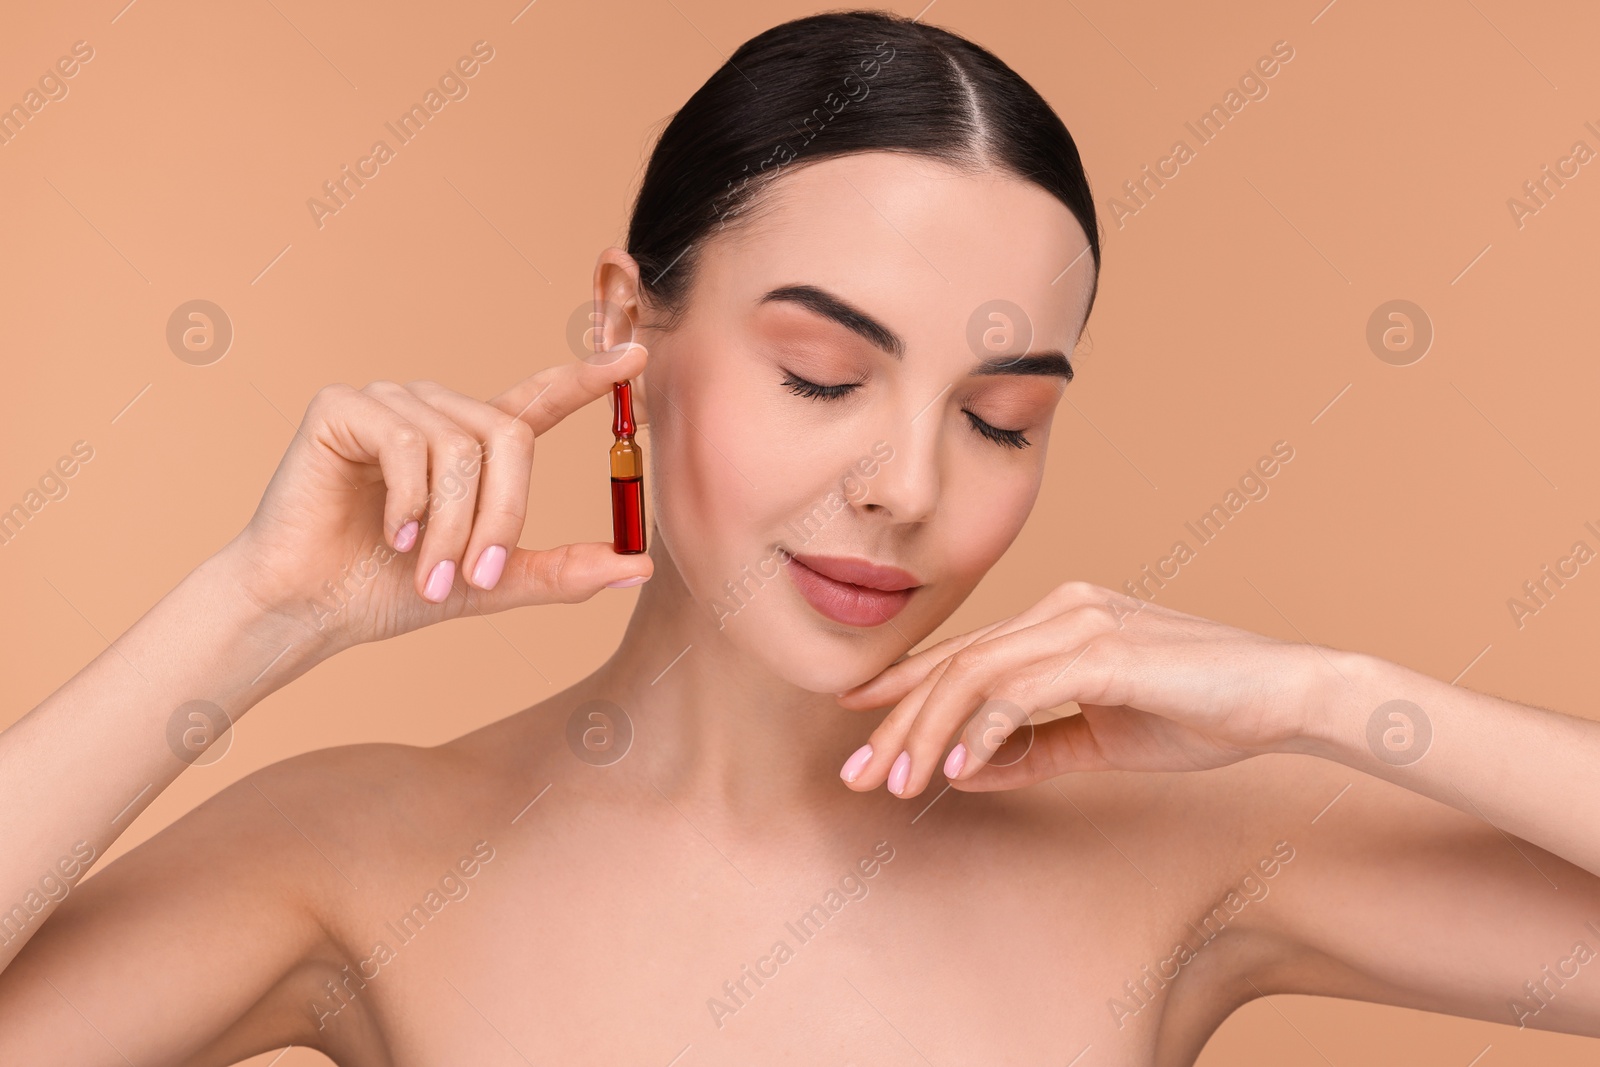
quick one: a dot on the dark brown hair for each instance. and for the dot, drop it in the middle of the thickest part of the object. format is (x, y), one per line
(827, 85)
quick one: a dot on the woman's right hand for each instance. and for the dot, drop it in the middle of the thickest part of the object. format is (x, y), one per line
(400, 506)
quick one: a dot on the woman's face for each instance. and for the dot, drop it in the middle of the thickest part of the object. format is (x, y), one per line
(818, 401)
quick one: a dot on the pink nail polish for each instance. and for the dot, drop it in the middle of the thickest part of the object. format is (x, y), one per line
(440, 580)
(956, 760)
(899, 773)
(852, 766)
(406, 536)
(490, 564)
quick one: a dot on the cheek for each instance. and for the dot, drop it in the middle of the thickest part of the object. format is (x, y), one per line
(731, 470)
(718, 483)
(1003, 498)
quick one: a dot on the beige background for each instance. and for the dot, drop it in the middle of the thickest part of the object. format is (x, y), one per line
(1233, 310)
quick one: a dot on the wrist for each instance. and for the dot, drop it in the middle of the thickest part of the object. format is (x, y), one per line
(1340, 698)
(254, 627)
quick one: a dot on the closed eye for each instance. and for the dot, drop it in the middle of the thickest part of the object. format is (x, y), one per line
(812, 390)
(1009, 438)
(800, 387)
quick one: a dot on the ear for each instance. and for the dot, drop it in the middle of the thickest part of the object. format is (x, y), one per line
(618, 300)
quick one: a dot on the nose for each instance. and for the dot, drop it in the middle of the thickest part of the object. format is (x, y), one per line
(906, 485)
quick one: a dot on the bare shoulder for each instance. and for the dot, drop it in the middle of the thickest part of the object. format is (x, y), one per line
(414, 795)
(238, 906)
(361, 819)
(1193, 826)
(1173, 848)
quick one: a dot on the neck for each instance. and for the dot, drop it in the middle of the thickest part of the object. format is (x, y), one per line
(713, 727)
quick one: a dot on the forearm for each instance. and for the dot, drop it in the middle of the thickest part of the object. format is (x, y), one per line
(1529, 772)
(77, 770)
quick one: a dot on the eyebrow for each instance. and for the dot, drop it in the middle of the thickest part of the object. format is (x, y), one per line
(1053, 363)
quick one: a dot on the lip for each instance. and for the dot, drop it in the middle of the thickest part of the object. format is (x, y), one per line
(856, 592)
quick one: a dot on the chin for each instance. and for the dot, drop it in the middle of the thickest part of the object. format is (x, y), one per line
(779, 630)
(820, 666)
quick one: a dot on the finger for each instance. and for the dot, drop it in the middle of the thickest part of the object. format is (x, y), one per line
(454, 461)
(505, 473)
(551, 395)
(899, 678)
(1063, 659)
(906, 768)
(563, 575)
(359, 429)
(882, 762)
(984, 693)
(1036, 754)
(890, 761)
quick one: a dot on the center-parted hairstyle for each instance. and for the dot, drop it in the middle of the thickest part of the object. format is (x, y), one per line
(828, 85)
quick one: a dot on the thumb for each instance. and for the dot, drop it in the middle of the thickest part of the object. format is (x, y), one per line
(563, 575)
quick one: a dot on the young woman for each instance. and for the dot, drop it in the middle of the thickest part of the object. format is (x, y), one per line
(700, 854)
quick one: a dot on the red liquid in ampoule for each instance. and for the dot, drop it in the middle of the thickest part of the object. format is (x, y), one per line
(627, 477)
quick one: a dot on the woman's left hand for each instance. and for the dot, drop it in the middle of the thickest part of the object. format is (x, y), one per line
(1158, 691)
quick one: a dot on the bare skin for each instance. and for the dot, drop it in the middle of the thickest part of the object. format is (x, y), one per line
(584, 910)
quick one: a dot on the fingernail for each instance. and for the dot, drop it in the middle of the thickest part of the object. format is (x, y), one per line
(956, 760)
(406, 536)
(637, 579)
(852, 766)
(899, 773)
(490, 564)
(440, 580)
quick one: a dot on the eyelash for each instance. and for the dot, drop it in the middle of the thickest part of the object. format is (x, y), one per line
(811, 390)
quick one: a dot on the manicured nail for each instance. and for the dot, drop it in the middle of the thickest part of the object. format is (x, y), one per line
(637, 579)
(956, 760)
(852, 766)
(490, 564)
(439, 581)
(899, 773)
(406, 536)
